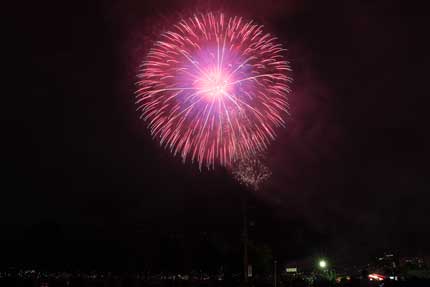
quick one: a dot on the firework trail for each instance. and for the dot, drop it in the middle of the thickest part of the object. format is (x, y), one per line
(213, 89)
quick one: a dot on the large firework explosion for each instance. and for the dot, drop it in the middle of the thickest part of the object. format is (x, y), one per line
(214, 89)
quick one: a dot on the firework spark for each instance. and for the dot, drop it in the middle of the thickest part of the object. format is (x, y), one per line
(251, 171)
(214, 89)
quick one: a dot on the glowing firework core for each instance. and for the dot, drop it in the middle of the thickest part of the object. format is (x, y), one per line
(214, 89)
(214, 86)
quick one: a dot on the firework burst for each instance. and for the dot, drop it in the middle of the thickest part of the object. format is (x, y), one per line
(214, 89)
(251, 171)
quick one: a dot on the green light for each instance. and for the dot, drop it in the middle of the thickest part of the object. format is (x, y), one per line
(323, 264)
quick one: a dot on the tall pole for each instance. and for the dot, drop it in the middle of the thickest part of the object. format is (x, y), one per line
(245, 238)
(275, 275)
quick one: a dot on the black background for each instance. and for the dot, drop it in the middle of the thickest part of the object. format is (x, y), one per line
(83, 184)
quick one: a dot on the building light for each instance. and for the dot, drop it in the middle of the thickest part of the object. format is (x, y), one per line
(377, 277)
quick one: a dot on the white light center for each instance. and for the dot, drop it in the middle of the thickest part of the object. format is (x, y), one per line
(215, 85)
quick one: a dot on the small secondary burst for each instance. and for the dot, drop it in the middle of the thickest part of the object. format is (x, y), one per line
(214, 89)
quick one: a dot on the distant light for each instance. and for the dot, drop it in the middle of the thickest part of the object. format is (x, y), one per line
(323, 264)
(375, 276)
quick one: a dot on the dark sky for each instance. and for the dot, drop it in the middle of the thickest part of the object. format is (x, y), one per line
(350, 172)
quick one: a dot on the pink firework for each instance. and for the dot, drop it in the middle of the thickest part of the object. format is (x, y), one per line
(214, 89)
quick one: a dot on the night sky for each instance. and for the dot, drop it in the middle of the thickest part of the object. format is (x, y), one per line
(81, 172)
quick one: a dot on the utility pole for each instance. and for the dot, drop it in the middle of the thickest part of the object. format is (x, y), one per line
(275, 275)
(245, 238)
